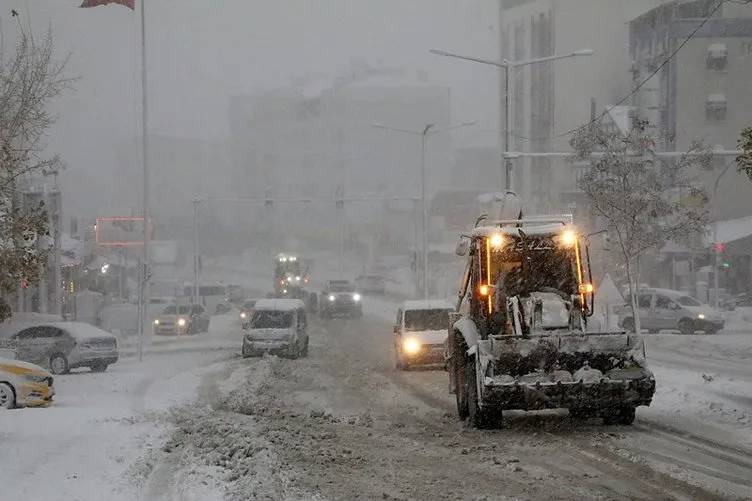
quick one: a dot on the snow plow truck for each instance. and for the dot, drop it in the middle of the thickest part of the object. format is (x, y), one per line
(520, 337)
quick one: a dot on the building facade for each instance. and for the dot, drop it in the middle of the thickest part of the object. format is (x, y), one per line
(550, 99)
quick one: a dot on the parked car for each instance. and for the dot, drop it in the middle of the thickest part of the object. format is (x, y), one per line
(246, 310)
(24, 385)
(62, 346)
(420, 333)
(371, 284)
(277, 326)
(177, 320)
(665, 309)
(340, 297)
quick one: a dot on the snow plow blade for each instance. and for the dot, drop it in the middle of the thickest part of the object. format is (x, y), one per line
(594, 371)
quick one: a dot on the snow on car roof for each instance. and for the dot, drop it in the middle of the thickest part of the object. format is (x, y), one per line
(427, 304)
(530, 228)
(81, 330)
(279, 304)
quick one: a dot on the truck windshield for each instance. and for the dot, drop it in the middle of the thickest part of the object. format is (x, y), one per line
(270, 319)
(341, 287)
(539, 268)
(172, 310)
(426, 320)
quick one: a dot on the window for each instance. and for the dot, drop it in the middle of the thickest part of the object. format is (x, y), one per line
(426, 320)
(399, 317)
(715, 107)
(717, 57)
(688, 301)
(272, 319)
(643, 301)
(662, 302)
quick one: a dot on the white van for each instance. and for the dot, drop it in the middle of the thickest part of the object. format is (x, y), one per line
(277, 326)
(421, 332)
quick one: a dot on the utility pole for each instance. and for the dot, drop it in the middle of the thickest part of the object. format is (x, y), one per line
(144, 268)
(429, 128)
(196, 255)
(508, 65)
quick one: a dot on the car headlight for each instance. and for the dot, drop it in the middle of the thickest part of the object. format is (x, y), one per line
(411, 346)
(181, 322)
(156, 321)
(243, 314)
(356, 297)
(331, 297)
(701, 316)
(297, 279)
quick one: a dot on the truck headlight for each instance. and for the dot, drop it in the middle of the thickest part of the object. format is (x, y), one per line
(701, 316)
(156, 321)
(181, 322)
(356, 297)
(568, 238)
(331, 297)
(411, 346)
(243, 314)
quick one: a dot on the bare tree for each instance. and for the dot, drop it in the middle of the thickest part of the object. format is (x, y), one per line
(744, 161)
(644, 201)
(29, 79)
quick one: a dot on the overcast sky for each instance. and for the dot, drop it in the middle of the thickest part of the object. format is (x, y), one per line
(200, 52)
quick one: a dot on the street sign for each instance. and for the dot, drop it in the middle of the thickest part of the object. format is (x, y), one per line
(119, 231)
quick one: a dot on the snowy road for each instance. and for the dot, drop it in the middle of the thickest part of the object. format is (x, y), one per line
(343, 424)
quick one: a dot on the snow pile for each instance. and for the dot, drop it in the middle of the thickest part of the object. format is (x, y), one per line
(223, 449)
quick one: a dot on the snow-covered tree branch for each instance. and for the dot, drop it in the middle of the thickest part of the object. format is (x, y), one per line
(29, 79)
(643, 200)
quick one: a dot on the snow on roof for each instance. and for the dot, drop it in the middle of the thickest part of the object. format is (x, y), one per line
(729, 230)
(279, 304)
(81, 330)
(533, 228)
(717, 49)
(427, 304)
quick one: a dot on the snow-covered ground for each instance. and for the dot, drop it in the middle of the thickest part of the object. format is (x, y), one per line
(194, 421)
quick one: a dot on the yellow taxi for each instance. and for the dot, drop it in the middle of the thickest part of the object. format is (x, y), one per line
(24, 385)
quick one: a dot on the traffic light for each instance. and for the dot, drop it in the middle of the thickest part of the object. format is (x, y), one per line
(719, 247)
(725, 265)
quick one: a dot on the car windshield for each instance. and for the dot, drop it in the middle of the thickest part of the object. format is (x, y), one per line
(688, 301)
(426, 320)
(271, 319)
(180, 310)
(341, 287)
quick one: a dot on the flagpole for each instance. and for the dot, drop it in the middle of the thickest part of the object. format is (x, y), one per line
(145, 271)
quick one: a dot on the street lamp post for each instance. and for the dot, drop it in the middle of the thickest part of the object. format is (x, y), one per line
(716, 267)
(428, 129)
(507, 66)
(196, 258)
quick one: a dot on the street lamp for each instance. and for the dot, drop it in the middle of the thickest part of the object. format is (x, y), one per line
(510, 65)
(428, 129)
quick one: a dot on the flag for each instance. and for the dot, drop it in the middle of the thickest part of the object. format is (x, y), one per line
(131, 4)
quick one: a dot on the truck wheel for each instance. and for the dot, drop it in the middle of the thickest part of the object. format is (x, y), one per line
(59, 364)
(621, 415)
(99, 367)
(458, 369)
(477, 417)
(686, 326)
(7, 396)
